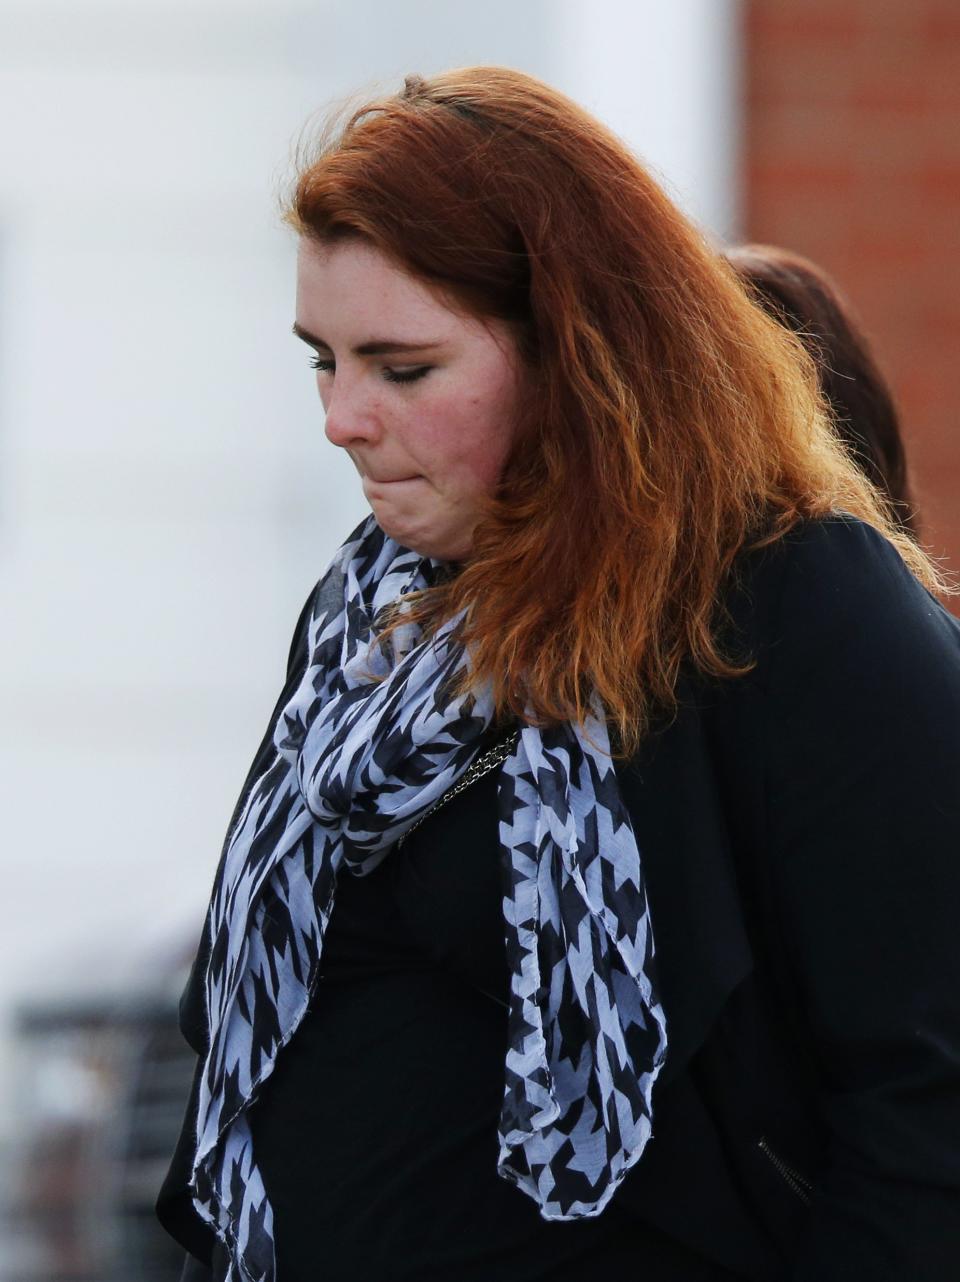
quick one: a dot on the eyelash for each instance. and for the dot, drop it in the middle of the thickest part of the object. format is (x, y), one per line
(391, 375)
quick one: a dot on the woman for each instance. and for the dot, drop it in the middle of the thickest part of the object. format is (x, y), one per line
(802, 296)
(588, 910)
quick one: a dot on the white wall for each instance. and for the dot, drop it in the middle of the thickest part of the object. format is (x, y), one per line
(665, 76)
(166, 497)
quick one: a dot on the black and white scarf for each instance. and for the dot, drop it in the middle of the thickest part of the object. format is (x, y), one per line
(365, 746)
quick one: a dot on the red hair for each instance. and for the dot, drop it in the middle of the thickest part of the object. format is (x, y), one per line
(669, 421)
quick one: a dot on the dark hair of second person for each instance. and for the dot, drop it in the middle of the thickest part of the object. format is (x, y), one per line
(801, 295)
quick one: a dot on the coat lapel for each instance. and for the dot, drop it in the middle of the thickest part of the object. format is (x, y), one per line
(702, 952)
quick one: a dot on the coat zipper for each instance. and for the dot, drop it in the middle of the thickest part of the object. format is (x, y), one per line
(792, 1177)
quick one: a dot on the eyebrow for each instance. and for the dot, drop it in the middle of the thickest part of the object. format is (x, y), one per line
(376, 347)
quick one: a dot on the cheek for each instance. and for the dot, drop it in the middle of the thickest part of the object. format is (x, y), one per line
(490, 432)
(465, 439)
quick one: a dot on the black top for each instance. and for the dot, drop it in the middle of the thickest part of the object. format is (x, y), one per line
(376, 1133)
(798, 829)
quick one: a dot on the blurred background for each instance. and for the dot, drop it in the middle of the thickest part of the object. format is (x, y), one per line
(167, 498)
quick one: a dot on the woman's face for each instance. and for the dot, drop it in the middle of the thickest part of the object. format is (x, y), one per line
(422, 398)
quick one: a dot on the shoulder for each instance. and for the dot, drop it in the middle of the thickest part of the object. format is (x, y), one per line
(856, 678)
(839, 563)
(835, 591)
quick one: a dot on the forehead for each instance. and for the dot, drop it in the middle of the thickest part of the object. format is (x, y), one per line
(351, 282)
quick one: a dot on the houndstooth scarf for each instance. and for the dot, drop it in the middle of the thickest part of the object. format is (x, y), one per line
(365, 746)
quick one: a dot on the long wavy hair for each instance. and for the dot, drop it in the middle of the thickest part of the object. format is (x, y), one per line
(669, 423)
(801, 295)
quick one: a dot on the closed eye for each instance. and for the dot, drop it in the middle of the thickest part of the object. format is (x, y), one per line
(390, 375)
(406, 375)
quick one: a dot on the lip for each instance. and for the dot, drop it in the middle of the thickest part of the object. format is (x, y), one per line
(393, 480)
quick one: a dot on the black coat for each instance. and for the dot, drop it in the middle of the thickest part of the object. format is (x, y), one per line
(798, 830)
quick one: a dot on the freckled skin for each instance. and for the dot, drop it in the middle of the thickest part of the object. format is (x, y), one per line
(427, 451)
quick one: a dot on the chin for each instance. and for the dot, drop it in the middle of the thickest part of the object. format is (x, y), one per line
(425, 542)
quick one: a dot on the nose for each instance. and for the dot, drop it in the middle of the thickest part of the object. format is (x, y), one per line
(349, 419)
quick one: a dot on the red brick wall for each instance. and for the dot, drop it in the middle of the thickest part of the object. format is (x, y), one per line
(852, 157)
